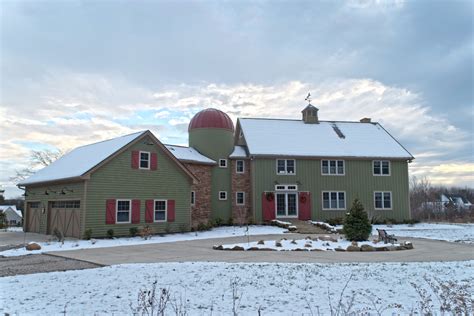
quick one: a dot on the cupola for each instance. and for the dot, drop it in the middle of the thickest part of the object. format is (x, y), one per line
(310, 114)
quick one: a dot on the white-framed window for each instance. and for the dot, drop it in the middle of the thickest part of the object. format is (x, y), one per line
(334, 200)
(333, 167)
(160, 213)
(193, 198)
(382, 200)
(240, 198)
(123, 211)
(222, 195)
(223, 163)
(286, 166)
(381, 167)
(286, 187)
(239, 166)
(144, 160)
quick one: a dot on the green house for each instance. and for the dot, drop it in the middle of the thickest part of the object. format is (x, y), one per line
(256, 171)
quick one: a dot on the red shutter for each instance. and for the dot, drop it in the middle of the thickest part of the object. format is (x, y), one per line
(170, 210)
(149, 210)
(304, 206)
(135, 159)
(268, 206)
(135, 211)
(154, 161)
(110, 211)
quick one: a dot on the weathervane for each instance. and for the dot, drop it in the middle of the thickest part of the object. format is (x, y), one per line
(308, 98)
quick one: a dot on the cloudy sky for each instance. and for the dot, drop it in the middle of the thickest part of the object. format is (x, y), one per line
(76, 72)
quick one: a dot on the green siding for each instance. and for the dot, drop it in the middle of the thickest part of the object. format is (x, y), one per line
(117, 180)
(216, 144)
(37, 194)
(358, 181)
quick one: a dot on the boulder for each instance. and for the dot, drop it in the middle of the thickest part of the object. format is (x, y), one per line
(253, 249)
(238, 248)
(316, 249)
(267, 249)
(339, 249)
(367, 248)
(293, 242)
(308, 245)
(278, 244)
(220, 247)
(381, 249)
(33, 246)
(408, 245)
(292, 228)
(353, 248)
(261, 242)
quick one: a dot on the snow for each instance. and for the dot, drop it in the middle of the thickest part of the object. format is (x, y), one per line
(189, 154)
(295, 138)
(463, 233)
(205, 288)
(325, 226)
(239, 152)
(80, 160)
(305, 244)
(219, 232)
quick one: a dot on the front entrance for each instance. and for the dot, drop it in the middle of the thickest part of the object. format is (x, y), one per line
(286, 204)
(65, 217)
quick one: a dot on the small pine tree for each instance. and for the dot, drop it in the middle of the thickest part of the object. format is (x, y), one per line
(356, 223)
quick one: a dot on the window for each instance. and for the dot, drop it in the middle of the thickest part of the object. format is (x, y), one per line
(239, 166)
(222, 195)
(193, 198)
(223, 163)
(123, 211)
(333, 167)
(383, 200)
(333, 200)
(160, 211)
(286, 166)
(286, 187)
(240, 198)
(66, 204)
(144, 160)
(381, 167)
(34, 204)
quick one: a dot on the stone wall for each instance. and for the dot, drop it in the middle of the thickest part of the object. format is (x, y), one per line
(201, 210)
(241, 183)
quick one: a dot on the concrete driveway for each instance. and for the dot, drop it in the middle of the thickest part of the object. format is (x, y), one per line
(201, 250)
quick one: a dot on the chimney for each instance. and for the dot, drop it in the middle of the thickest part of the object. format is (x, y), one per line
(366, 120)
(310, 115)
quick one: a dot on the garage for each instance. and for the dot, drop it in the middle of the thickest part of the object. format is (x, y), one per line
(33, 215)
(65, 216)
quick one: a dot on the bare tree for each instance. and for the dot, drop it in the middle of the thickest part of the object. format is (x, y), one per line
(38, 159)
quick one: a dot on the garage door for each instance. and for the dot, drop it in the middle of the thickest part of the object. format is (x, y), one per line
(33, 215)
(65, 216)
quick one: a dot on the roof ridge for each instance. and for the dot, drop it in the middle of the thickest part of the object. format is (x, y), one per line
(298, 120)
(178, 146)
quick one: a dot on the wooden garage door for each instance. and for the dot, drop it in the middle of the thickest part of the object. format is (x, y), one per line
(33, 214)
(65, 216)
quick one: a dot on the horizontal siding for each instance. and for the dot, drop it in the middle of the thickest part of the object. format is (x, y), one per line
(117, 180)
(358, 182)
(37, 194)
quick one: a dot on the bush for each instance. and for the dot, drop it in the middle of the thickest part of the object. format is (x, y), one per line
(356, 224)
(230, 222)
(133, 231)
(202, 227)
(167, 228)
(88, 234)
(146, 232)
(58, 234)
(218, 222)
(110, 233)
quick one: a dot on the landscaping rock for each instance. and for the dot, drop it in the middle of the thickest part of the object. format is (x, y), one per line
(353, 248)
(278, 244)
(308, 245)
(261, 242)
(381, 249)
(292, 228)
(408, 245)
(239, 248)
(253, 249)
(315, 249)
(367, 248)
(340, 249)
(293, 242)
(220, 247)
(267, 249)
(33, 246)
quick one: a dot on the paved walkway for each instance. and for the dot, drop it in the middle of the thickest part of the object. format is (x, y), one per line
(201, 250)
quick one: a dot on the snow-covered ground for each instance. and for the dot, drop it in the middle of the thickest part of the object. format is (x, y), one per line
(304, 244)
(219, 232)
(450, 232)
(205, 288)
(13, 229)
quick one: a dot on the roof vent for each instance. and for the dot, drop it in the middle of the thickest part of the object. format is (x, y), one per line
(338, 131)
(366, 120)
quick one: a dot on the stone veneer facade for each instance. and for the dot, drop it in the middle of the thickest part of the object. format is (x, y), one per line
(241, 183)
(201, 210)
